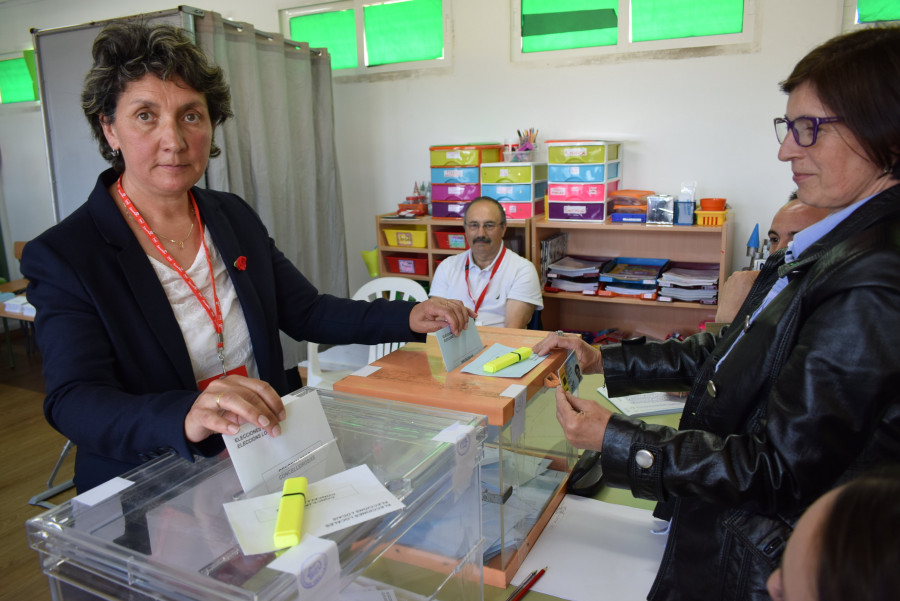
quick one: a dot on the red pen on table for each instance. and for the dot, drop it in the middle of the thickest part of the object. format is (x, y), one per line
(526, 586)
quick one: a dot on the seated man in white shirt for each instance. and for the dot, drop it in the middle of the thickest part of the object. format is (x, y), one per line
(501, 287)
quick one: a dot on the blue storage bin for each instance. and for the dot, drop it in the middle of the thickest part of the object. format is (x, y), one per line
(454, 175)
(515, 192)
(577, 173)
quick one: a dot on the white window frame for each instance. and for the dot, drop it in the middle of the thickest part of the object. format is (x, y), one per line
(746, 41)
(307, 7)
(850, 23)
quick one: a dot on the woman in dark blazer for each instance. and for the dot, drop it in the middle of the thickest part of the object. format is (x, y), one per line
(159, 304)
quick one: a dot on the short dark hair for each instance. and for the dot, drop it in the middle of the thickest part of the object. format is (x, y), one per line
(489, 200)
(125, 51)
(857, 75)
(860, 548)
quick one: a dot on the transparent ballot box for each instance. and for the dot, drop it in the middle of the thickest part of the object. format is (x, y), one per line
(165, 536)
(527, 458)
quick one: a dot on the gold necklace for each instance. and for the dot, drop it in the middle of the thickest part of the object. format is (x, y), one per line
(186, 238)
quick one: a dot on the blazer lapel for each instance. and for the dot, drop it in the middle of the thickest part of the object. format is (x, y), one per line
(141, 280)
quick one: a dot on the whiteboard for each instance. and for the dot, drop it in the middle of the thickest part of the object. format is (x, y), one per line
(63, 58)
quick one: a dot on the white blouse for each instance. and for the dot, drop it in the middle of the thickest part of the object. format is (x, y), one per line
(195, 324)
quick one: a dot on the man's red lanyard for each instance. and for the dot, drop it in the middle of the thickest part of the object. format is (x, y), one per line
(216, 317)
(484, 291)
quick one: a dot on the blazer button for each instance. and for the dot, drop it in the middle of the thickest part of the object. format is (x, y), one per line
(644, 459)
(711, 389)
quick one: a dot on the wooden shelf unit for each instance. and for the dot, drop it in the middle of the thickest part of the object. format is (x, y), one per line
(572, 311)
(518, 239)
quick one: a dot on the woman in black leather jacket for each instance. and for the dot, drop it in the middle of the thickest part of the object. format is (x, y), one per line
(803, 391)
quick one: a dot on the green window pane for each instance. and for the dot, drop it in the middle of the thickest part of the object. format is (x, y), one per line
(668, 19)
(16, 84)
(583, 24)
(334, 30)
(870, 11)
(399, 32)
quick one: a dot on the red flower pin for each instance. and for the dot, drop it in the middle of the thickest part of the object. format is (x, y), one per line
(241, 263)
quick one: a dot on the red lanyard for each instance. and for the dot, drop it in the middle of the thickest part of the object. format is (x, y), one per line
(484, 291)
(216, 317)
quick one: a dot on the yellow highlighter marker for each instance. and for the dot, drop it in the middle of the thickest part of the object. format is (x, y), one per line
(511, 358)
(290, 512)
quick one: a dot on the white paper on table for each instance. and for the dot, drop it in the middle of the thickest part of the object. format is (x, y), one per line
(305, 448)
(589, 542)
(334, 503)
(648, 403)
(315, 563)
(456, 350)
(516, 370)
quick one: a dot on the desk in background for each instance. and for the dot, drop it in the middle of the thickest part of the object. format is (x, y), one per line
(16, 286)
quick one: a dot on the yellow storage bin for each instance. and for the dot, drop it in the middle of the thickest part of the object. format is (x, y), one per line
(581, 151)
(710, 218)
(405, 238)
(465, 156)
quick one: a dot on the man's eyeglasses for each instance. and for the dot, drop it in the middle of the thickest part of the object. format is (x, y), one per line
(474, 226)
(805, 129)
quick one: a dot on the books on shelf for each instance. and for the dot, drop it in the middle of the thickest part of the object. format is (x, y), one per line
(553, 249)
(575, 274)
(690, 282)
(633, 270)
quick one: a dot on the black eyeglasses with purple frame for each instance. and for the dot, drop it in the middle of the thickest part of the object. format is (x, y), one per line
(805, 129)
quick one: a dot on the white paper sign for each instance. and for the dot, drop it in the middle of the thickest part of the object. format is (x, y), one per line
(316, 565)
(305, 448)
(456, 350)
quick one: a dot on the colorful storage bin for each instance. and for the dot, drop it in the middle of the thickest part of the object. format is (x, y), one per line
(405, 238)
(710, 218)
(451, 240)
(451, 208)
(465, 155)
(557, 191)
(454, 175)
(447, 192)
(523, 210)
(408, 265)
(513, 173)
(576, 211)
(583, 173)
(515, 192)
(582, 151)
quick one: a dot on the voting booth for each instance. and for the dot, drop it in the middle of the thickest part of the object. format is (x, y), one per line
(527, 458)
(161, 531)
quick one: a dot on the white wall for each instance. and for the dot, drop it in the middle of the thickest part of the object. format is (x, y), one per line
(707, 119)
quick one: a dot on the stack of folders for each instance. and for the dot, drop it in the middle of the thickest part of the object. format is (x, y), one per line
(18, 304)
(690, 282)
(575, 274)
(632, 277)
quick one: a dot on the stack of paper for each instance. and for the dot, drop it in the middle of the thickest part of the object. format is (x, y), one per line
(651, 403)
(15, 304)
(575, 274)
(693, 282)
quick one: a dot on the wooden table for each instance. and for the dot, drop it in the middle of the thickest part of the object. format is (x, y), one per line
(415, 374)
